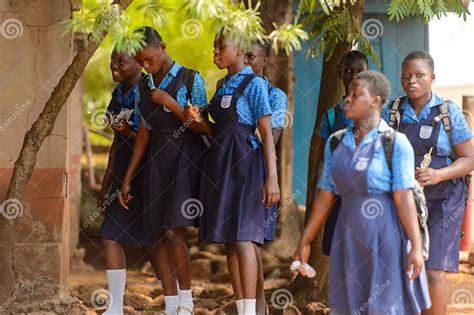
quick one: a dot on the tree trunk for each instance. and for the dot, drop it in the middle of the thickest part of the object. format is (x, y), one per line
(279, 71)
(34, 137)
(307, 290)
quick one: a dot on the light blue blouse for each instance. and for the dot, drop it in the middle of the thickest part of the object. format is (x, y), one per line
(379, 177)
(254, 103)
(278, 104)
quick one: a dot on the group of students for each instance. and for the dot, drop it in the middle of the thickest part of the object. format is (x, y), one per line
(225, 166)
(229, 170)
(365, 196)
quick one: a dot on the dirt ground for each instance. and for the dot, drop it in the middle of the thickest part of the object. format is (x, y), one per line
(211, 288)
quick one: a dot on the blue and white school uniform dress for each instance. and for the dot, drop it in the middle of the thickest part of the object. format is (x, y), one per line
(175, 155)
(120, 224)
(445, 200)
(367, 273)
(278, 104)
(340, 122)
(234, 170)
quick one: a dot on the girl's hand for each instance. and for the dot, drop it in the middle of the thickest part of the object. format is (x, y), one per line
(414, 263)
(427, 176)
(302, 254)
(271, 191)
(159, 97)
(125, 196)
(123, 128)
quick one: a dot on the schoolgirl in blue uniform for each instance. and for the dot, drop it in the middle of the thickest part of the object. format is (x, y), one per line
(240, 174)
(257, 58)
(121, 226)
(353, 63)
(426, 118)
(369, 265)
(174, 163)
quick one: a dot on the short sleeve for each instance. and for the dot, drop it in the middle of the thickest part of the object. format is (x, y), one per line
(460, 131)
(403, 164)
(278, 103)
(325, 132)
(139, 114)
(385, 113)
(325, 181)
(198, 96)
(257, 96)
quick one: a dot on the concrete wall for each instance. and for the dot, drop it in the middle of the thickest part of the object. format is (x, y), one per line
(33, 58)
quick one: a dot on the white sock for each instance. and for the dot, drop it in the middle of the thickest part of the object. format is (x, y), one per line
(116, 282)
(186, 298)
(240, 306)
(171, 304)
(250, 306)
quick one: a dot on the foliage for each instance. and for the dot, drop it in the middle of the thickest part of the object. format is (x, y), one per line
(329, 21)
(186, 26)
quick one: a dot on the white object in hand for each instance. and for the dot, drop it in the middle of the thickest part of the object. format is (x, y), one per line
(426, 159)
(295, 265)
(124, 115)
(152, 82)
(309, 271)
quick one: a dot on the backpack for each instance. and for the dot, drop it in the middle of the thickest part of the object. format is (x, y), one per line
(420, 201)
(331, 114)
(445, 117)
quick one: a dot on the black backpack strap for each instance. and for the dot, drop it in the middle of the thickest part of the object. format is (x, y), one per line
(336, 139)
(388, 144)
(189, 76)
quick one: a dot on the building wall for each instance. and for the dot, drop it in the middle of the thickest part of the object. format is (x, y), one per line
(33, 58)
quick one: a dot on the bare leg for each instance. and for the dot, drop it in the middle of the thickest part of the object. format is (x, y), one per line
(233, 265)
(261, 301)
(178, 249)
(438, 293)
(248, 269)
(114, 256)
(161, 255)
